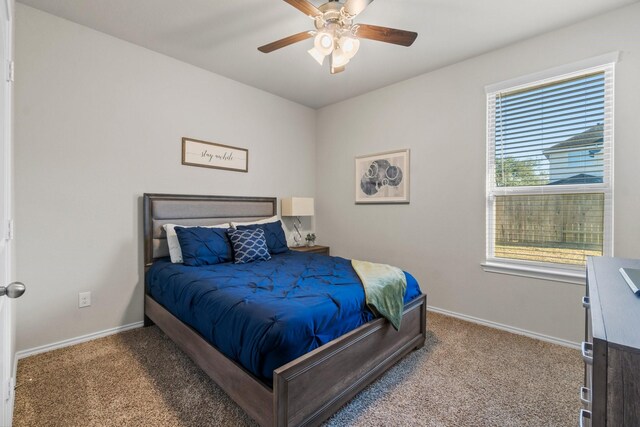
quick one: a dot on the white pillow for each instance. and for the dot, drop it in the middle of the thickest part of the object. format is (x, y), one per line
(260, 221)
(172, 239)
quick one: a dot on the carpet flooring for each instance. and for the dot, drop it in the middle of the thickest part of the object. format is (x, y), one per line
(466, 375)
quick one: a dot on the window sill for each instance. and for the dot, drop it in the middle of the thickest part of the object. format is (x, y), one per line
(557, 274)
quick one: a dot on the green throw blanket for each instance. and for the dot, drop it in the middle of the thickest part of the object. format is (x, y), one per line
(384, 288)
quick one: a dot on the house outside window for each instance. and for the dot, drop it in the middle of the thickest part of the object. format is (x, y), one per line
(549, 169)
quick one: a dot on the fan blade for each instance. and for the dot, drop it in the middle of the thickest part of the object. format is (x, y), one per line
(286, 41)
(305, 7)
(387, 35)
(354, 7)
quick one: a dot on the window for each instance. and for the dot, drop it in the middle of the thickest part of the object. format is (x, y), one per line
(549, 191)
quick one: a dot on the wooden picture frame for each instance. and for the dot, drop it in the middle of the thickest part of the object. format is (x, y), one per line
(216, 156)
(382, 177)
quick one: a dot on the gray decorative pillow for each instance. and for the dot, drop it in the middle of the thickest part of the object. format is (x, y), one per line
(248, 245)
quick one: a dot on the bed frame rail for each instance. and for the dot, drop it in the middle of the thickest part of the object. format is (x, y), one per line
(253, 396)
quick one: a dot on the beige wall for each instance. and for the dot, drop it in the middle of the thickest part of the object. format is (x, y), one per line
(441, 117)
(98, 123)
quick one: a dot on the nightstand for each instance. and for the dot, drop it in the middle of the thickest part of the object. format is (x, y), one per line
(317, 249)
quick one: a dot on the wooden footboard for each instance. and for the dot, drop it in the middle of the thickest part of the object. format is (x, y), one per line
(311, 388)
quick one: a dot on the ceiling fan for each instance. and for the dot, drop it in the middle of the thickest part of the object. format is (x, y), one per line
(336, 36)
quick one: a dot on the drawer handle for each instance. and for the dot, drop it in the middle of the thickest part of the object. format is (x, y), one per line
(585, 302)
(585, 395)
(587, 352)
(584, 414)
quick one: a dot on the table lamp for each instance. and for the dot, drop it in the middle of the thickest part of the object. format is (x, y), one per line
(297, 207)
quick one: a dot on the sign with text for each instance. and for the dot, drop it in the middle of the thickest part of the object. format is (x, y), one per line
(210, 155)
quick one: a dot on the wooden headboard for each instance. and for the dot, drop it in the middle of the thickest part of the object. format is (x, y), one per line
(160, 209)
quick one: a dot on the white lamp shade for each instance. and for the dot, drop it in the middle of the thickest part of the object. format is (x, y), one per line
(324, 43)
(297, 206)
(349, 46)
(338, 59)
(315, 54)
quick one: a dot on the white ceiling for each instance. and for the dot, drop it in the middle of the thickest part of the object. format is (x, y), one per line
(223, 36)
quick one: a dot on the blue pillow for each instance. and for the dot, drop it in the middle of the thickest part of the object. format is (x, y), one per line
(273, 233)
(204, 245)
(248, 245)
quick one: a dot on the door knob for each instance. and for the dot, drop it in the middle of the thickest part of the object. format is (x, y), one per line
(13, 289)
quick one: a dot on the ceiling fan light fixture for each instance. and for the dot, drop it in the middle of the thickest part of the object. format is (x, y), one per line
(349, 46)
(337, 34)
(317, 55)
(324, 43)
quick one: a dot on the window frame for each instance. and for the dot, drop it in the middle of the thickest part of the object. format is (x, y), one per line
(545, 270)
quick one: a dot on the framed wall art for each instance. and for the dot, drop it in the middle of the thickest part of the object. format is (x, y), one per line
(211, 155)
(382, 177)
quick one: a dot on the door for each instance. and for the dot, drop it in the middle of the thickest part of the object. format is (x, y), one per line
(7, 327)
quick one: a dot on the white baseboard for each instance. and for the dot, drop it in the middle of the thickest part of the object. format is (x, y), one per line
(77, 340)
(514, 330)
(84, 338)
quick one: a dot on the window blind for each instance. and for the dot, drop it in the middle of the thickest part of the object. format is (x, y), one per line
(549, 197)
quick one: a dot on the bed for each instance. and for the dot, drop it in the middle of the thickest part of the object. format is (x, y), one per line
(306, 390)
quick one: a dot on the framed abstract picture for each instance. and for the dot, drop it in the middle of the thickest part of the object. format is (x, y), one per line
(383, 177)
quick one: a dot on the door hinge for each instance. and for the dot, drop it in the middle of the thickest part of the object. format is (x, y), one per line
(10, 232)
(10, 71)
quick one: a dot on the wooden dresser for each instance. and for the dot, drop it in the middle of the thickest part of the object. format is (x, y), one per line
(611, 350)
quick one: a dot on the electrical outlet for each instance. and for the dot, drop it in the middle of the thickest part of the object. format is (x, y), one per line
(84, 299)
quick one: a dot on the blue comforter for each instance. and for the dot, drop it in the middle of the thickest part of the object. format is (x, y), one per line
(267, 313)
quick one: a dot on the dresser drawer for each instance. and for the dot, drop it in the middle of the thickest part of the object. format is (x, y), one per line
(585, 418)
(588, 337)
(611, 347)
